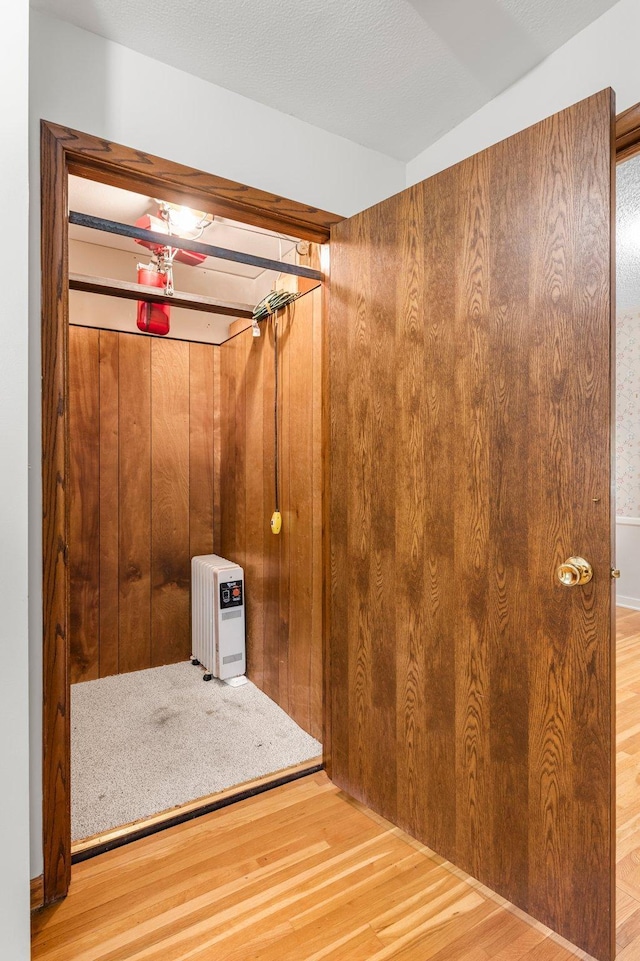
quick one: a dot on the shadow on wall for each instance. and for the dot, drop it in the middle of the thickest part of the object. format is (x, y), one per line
(81, 66)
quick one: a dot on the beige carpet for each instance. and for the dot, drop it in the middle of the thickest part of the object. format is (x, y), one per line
(146, 741)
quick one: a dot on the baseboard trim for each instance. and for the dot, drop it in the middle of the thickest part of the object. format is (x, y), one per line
(631, 602)
(37, 892)
(109, 840)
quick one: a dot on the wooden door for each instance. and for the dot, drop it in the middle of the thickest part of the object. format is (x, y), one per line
(469, 366)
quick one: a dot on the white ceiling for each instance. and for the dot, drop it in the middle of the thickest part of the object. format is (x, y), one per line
(393, 75)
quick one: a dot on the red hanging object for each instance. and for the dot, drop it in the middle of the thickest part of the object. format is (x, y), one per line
(152, 318)
(148, 222)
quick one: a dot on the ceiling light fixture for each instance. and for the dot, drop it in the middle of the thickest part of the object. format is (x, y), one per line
(183, 221)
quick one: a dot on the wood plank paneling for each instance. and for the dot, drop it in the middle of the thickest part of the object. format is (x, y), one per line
(317, 646)
(151, 439)
(217, 448)
(283, 572)
(284, 322)
(109, 599)
(469, 349)
(84, 507)
(170, 560)
(255, 351)
(134, 486)
(228, 427)
(270, 542)
(299, 347)
(201, 449)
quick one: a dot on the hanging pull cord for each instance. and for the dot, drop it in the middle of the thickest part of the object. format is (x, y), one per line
(276, 517)
(275, 409)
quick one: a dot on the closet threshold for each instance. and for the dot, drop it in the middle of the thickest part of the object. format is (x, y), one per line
(109, 840)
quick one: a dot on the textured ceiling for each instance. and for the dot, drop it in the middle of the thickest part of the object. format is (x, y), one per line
(393, 75)
(628, 235)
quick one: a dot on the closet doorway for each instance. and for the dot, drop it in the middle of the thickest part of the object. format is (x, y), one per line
(166, 445)
(627, 481)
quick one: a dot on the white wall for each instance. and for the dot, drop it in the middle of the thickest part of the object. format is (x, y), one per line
(14, 825)
(83, 81)
(604, 54)
(627, 555)
(102, 88)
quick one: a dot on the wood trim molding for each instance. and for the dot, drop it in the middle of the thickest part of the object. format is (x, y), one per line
(119, 166)
(56, 747)
(628, 133)
(65, 151)
(36, 886)
(327, 558)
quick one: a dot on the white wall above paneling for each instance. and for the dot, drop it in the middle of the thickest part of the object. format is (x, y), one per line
(84, 81)
(391, 75)
(603, 55)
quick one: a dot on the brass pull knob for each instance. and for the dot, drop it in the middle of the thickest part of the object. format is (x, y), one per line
(575, 571)
(615, 572)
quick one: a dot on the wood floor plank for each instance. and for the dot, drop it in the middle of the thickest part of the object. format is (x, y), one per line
(304, 873)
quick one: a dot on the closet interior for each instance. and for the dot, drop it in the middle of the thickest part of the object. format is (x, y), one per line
(190, 424)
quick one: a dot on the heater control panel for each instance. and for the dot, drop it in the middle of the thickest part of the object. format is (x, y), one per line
(230, 594)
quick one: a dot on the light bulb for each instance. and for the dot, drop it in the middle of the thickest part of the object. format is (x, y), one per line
(183, 220)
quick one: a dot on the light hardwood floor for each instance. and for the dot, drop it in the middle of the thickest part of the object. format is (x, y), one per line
(628, 787)
(303, 874)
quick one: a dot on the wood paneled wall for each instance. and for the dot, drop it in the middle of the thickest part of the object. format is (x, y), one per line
(143, 461)
(283, 572)
(469, 348)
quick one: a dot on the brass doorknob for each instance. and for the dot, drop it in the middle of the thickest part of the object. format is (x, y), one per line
(575, 571)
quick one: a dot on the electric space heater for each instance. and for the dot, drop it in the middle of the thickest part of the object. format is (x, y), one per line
(217, 618)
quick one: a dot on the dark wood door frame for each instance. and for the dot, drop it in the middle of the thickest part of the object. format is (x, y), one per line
(628, 133)
(63, 152)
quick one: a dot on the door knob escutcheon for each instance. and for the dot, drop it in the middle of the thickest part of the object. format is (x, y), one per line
(574, 572)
